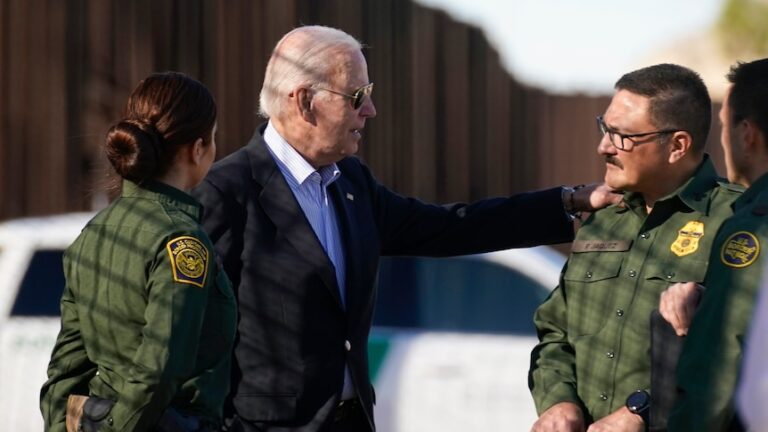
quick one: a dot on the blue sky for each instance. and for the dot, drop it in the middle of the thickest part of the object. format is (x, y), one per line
(581, 45)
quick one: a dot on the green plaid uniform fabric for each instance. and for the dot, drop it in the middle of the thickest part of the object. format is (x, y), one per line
(594, 329)
(709, 364)
(156, 339)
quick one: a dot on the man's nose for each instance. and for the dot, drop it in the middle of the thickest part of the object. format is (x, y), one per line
(368, 109)
(604, 147)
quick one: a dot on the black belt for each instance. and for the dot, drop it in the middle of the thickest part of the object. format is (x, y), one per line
(346, 409)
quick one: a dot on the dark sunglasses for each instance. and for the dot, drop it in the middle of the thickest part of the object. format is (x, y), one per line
(358, 96)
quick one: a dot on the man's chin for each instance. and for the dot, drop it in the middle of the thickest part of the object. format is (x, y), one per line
(614, 183)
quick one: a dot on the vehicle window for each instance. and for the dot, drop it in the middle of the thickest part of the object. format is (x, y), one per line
(41, 288)
(456, 294)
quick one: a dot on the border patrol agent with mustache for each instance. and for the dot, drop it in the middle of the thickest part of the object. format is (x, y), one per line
(592, 366)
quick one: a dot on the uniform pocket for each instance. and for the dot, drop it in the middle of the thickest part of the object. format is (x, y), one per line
(658, 276)
(589, 284)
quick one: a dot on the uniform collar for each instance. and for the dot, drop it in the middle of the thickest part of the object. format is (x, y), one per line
(694, 193)
(163, 193)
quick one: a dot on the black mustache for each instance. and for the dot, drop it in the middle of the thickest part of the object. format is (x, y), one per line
(613, 160)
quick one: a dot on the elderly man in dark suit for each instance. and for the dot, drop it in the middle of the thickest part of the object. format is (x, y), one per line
(301, 224)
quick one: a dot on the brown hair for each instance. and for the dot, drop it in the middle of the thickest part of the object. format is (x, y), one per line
(165, 111)
(749, 94)
(678, 99)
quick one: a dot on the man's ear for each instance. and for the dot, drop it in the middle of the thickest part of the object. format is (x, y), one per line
(752, 137)
(680, 144)
(302, 100)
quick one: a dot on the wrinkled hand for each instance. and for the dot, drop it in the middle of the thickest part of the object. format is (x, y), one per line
(621, 420)
(561, 417)
(678, 305)
(595, 196)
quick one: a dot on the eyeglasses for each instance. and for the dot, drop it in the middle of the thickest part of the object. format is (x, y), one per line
(358, 96)
(626, 141)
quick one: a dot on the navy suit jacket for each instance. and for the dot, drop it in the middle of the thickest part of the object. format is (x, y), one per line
(294, 334)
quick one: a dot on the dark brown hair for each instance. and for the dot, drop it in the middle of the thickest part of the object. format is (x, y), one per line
(165, 111)
(749, 94)
(678, 99)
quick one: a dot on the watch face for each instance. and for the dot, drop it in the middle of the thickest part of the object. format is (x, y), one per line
(638, 401)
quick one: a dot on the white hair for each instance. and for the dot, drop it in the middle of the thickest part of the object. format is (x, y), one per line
(304, 56)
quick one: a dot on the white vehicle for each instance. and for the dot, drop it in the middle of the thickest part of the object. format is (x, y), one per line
(449, 350)
(32, 280)
(452, 338)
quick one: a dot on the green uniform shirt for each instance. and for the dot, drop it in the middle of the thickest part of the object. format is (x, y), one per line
(709, 364)
(594, 329)
(148, 316)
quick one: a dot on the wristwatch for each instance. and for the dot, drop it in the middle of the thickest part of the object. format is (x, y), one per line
(566, 195)
(639, 402)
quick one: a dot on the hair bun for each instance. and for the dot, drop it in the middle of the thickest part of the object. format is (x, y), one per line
(133, 148)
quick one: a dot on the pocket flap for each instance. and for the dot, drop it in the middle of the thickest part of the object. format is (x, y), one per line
(593, 267)
(670, 271)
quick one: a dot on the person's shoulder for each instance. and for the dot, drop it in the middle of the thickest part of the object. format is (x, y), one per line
(178, 230)
(144, 223)
(607, 214)
(726, 191)
(353, 167)
(233, 163)
(755, 213)
(230, 174)
(131, 212)
(721, 197)
(350, 163)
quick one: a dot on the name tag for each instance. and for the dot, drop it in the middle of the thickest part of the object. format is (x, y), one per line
(600, 245)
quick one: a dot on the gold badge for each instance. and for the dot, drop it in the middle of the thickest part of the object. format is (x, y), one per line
(740, 250)
(189, 260)
(687, 240)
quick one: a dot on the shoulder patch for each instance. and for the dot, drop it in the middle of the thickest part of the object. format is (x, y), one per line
(189, 260)
(740, 250)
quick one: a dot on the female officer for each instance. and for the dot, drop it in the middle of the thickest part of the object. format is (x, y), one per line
(148, 315)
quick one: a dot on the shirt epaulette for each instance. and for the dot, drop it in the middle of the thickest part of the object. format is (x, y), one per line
(731, 187)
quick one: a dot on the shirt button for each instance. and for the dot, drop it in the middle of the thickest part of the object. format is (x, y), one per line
(610, 354)
(670, 275)
(603, 396)
(347, 345)
(619, 312)
(632, 273)
(589, 274)
(645, 235)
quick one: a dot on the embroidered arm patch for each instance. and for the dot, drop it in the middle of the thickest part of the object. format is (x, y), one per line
(189, 260)
(740, 250)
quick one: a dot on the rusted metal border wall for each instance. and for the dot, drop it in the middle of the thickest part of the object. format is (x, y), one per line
(452, 123)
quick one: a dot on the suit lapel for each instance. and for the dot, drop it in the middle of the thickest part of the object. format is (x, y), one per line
(343, 201)
(280, 205)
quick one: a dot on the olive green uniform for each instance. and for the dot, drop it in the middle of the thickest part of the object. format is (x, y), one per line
(148, 316)
(594, 329)
(710, 362)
